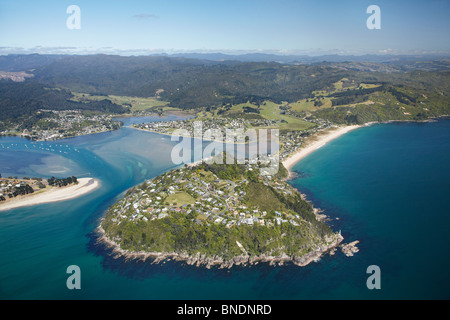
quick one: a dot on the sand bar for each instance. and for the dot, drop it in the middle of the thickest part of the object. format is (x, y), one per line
(84, 186)
(315, 142)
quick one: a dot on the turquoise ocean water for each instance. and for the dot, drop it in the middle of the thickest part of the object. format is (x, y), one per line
(388, 184)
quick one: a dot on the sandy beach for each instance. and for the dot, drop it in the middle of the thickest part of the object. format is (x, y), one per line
(315, 142)
(84, 186)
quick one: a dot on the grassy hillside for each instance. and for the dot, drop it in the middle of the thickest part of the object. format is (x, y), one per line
(268, 219)
(187, 83)
(19, 99)
(413, 96)
(341, 93)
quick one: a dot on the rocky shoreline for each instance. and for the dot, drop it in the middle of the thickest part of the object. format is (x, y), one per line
(202, 261)
(349, 249)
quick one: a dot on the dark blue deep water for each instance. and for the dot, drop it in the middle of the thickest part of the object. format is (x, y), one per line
(387, 184)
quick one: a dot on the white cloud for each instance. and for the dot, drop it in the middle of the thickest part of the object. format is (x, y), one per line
(145, 16)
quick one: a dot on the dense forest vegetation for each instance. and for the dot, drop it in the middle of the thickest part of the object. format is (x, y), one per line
(352, 96)
(187, 83)
(194, 83)
(18, 99)
(412, 96)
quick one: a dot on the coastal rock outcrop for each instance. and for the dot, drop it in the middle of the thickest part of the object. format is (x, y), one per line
(200, 260)
(349, 249)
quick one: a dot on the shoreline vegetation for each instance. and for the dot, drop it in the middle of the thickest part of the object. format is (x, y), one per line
(200, 260)
(55, 194)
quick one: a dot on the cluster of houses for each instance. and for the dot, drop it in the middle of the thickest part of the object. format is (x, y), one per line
(210, 200)
(6, 188)
(289, 141)
(10, 186)
(67, 123)
(215, 127)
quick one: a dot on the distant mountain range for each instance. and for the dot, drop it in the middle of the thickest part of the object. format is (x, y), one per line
(19, 62)
(264, 57)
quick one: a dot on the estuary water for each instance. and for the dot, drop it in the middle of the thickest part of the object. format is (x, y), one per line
(387, 184)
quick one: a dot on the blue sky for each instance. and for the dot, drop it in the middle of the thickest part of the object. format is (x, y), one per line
(281, 26)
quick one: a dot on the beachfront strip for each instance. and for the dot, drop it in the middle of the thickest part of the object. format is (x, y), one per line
(57, 192)
(290, 140)
(13, 187)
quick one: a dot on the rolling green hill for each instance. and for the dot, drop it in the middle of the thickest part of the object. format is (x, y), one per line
(25, 98)
(289, 93)
(187, 83)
